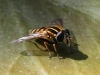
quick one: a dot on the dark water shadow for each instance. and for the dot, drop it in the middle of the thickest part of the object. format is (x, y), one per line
(64, 50)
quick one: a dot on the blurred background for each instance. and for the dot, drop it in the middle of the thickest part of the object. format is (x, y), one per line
(81, 17)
